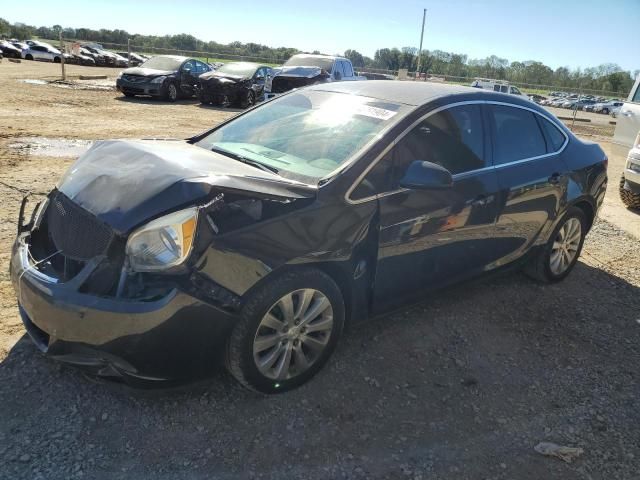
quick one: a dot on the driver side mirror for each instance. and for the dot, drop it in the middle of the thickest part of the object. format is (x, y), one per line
(423, 175)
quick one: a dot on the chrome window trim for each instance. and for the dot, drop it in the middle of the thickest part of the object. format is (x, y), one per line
(457, 176)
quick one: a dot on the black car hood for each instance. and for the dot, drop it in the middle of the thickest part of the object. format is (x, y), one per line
(146, 72)
(220, 76)
(128, 182)
(301, 72)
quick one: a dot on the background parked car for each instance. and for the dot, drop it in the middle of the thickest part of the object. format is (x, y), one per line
(237, 83)
(42, 52)
(133, 58)
(606, 107)
(9, 50)
(534, 97)
(630, 181)
(304, 69)
(497, 86)
(166, 76)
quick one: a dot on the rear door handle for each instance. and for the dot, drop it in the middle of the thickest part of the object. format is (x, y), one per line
(554, 179)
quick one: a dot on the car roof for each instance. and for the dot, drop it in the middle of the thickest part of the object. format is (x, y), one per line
(407, 92)
(318, 55)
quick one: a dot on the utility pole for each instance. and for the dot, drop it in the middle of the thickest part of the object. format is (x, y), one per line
(424, 16)
(62, 49)
(128, 52)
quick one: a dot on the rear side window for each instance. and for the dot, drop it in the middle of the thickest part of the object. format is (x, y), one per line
(517, 134)
(554, 136)
(452, 138)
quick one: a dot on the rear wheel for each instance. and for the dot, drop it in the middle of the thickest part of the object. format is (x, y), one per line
(630, 199)
(605, 111)
(558, 257)
(288, 330)
(56, 59)
(28, 57)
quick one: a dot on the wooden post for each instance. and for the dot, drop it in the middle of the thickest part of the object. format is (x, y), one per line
(64, 76)
(129, 52)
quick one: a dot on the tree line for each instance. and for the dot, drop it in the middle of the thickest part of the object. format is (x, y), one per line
(607, 77)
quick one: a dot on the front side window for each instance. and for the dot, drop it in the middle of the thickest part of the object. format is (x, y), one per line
(376, 180)
(636, 96)
(348, 71)
(504, 89)
(517, 134)
(305, 135)
(452, 138)
(515, 91)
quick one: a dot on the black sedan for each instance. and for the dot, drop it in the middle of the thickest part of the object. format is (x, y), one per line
(9, 50)
(235, 83)
(168, 77)
(256, 242)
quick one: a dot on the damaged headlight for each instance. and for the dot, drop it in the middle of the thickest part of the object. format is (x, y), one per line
(158, 79)
(162, 243)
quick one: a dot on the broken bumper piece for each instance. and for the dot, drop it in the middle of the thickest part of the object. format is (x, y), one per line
(174, 337)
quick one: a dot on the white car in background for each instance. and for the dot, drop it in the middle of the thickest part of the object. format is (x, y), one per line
(497, 86)
(41, 51)
(628, 119)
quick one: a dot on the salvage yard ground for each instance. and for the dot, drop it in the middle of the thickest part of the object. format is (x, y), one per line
(461, 386)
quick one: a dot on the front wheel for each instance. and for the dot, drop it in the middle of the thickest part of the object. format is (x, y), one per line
(289, 328)
(630, 199)
(605, 111)
(171, 92)
(558, 257)
(28, 57)
(248, 99)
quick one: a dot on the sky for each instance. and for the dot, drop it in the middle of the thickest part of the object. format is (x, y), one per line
(573, 33)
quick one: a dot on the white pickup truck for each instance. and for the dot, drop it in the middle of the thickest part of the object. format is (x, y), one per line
(305, 69)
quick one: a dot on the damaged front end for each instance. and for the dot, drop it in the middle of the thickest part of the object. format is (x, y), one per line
(289, 78)
(107, 270)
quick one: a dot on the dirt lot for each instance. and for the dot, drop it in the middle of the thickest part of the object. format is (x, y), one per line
(462, 386)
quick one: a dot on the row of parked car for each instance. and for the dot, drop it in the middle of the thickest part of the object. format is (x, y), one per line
(239, 84)
(588, 103)
(89, 54)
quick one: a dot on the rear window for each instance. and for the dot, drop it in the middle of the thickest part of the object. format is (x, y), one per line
(517, 134)
(554, 135)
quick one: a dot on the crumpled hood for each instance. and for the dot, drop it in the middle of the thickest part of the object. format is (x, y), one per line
(126, 183)
(146, 72)
(303, 72)
(219, 76)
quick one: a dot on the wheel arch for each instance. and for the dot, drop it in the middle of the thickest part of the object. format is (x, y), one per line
(588, 208)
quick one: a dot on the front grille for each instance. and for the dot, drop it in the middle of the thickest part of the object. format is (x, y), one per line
(134, 78)
(75, 232)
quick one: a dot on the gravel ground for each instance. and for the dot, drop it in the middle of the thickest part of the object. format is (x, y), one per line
(462, 386)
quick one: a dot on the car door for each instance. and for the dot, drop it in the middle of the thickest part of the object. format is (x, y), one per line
(38, 52)
(430, 238)
(259, 80)
(628, 119)
(532, 176)
(188, 77)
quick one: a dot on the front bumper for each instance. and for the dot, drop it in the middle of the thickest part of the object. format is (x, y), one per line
(138, 88)
(175, 337)
(632, 168)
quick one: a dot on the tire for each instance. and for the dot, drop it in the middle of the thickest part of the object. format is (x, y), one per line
(246, 346)
(248, 99)
(56, 59)
(129, 94)
(170, 92)
(28, 57)
(540, 266)
(605, 111)
(630, 199)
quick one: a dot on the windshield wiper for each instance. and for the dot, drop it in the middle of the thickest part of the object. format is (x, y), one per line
(248, 161)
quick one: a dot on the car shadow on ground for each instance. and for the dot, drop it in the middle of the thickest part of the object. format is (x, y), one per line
(460, 386)
(156, 101)
(219, 108)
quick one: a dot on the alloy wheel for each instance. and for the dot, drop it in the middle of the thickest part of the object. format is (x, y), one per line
(565, 246)
(173, 92)
(293, 334)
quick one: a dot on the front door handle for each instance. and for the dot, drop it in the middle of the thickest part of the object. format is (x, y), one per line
(554, 179)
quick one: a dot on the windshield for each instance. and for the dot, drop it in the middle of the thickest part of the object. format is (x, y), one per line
(305, 135)
(310, 61)
(163, 63)
(238, 69)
